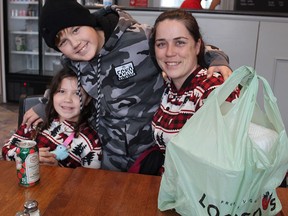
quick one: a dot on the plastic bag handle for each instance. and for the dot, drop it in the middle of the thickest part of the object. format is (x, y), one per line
(247, 77)
(270, 105)
(243, 75)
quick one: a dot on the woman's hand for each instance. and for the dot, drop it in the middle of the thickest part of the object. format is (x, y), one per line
(30, 117)
(46, 157)
(224, 70)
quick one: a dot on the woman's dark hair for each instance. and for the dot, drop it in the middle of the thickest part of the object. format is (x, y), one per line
(190, 23)
(51, 113)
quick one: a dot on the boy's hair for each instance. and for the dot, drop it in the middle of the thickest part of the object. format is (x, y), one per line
(51, 113)
(57, 15)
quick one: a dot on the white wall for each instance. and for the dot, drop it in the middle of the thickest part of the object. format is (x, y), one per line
(272, 60)
(235, 35)
(238, 38)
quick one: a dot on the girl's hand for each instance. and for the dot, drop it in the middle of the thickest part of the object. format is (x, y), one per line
(46, 157)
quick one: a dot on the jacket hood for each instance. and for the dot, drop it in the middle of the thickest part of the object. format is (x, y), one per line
(114, 22)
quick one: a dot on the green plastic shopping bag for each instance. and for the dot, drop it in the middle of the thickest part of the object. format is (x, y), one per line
(217, 164)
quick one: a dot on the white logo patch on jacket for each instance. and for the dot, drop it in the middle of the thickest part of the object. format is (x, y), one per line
(125, 71)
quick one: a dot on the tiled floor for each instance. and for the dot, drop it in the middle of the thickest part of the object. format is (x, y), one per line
(10, 106)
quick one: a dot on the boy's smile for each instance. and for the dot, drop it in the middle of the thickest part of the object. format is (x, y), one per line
(80, 43)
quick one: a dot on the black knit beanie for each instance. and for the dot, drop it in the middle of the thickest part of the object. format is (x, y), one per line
(60, 14)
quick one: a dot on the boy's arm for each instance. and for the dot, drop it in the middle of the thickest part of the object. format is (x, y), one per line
(215, 57)
(33, 117)
(36, 114)
(217, 61)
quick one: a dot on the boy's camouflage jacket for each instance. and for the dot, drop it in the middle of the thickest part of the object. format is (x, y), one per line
(129, 89)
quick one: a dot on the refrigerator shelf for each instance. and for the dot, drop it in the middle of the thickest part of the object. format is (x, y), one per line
(25, 32)
(25, 52)
(24, 17)
(24, 2)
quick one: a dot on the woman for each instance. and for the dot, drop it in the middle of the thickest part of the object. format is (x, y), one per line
(179, 51)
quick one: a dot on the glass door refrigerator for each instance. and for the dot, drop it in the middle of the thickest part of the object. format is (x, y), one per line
(29, 63)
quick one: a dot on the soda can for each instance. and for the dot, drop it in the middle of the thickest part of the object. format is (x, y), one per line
(20, 44)
(27, 163)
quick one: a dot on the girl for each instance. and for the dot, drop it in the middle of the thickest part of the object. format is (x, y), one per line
(67, 112)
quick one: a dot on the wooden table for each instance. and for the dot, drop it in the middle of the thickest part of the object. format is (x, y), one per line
(283, 196)
(100, 192)
(83, 191)
(13, 196)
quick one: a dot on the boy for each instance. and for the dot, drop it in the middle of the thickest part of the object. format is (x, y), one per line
(109, 52)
